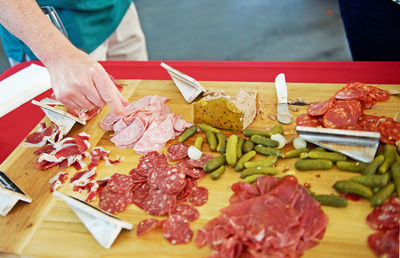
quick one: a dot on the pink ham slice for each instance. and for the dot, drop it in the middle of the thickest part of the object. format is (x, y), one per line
(158, 125)
(128, 136)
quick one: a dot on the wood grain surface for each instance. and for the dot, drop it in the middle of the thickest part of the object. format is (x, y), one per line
(49, 228)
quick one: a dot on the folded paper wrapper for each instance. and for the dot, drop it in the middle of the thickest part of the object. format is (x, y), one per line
(22, 87)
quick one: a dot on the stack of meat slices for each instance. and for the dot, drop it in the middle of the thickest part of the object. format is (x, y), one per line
(345, 111)
(385, 219)
(147, 126)
(161, 189)
(277, 217)
(69, 151)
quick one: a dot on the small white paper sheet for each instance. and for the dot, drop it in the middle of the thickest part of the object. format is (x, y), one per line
(22, 87)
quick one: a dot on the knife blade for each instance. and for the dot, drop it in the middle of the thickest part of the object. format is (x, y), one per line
(283, 113)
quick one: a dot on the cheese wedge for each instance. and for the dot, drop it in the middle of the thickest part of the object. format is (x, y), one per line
(227, 112)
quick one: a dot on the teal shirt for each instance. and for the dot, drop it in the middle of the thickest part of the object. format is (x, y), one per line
(88, 24)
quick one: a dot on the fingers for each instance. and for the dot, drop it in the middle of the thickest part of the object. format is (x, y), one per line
(109, 92)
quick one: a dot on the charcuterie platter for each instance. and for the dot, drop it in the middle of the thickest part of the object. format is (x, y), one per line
(48, 227)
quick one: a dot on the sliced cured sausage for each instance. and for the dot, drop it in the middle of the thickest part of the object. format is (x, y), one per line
(343, 115)
(320, 108)
(176, 230)
(172, 180)
(186, 211)
(147, 225)
(114, 202)
(158, 203)
(199, 196)
(120, 183)
(307, 120)
(177, 151)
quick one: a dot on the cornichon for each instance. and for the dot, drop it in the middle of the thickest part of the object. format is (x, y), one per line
(395, 169)
(313, 164)
(221, 139)
(373, 165)
(250, 132)
(267, 142)
(239, 151)
(246, 157)
(205, 128)
(214, 163)
(198, 143)
(260, 170)
(319, 148)
(378, 198)
(295, 153)
(372, 180)
(211, 140)
(218, 172)
(252, 178)
(353, 188)
(334, 156)
(331, 200)
(247, 146)
(231, 148)
(187, 133)
(278, 128)
(266, 162)
(268, 151)
(389, 152)
(352, 166)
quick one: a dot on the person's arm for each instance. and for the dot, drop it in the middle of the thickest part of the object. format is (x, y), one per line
(77, 80)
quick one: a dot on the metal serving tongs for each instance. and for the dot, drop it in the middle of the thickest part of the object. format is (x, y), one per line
(189, 87)
(358, 145)
(64, 120)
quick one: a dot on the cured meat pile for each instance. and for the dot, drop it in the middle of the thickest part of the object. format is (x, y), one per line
(161, 189)
(45, 134)
(84, 181)
(276, 217)
(386, 220)
(69, 151)
(345, 111)
(147, 126)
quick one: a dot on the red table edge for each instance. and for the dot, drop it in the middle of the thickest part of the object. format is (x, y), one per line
(252, 71)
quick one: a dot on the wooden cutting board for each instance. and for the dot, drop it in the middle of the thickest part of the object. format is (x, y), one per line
(48, 226)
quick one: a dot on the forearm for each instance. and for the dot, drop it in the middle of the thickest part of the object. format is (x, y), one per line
(26, 21)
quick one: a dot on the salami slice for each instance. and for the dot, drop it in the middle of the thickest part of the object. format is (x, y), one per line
(320, 108)
(159, 203)
(119, 183)
(114, 202)
(199, 196)
(172, 181)
(343, 115)
(140, 195)
(354, 90)
(385, 216)
(149, 161)
(176, 230)
(187, 211)
(390, 131)
(195, 173)
(147, 225)
(153, 178)
(378, 94)
(198, 163)
(187, 191)
(307, 120)
(177, 151)
(370, 122)
(385, 242)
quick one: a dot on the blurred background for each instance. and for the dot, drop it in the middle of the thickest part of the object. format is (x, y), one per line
(252, 30)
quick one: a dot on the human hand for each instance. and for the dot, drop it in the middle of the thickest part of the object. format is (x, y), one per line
(81, 83)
